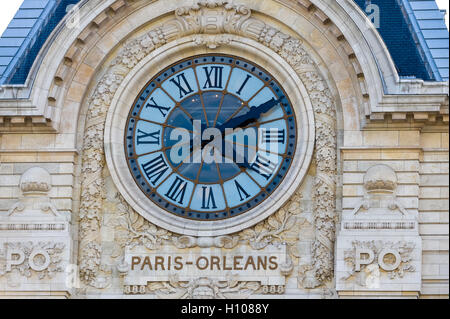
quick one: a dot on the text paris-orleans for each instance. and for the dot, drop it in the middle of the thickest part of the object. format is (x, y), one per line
(220, 263)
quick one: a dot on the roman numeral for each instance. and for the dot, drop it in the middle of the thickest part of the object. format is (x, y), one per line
(273, 136)
(177, 190)
(241, 191)
(148, 138)
(243, 84)
(154, 105)
(213, 77)
(155, 168)
(208, 198)
(263, 167)
(182, 84)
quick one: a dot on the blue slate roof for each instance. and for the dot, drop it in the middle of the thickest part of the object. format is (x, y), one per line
(416, 36)
(433, 35)
(413, 30)
(25, 36)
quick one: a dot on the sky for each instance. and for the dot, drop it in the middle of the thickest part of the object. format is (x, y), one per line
(8, 9)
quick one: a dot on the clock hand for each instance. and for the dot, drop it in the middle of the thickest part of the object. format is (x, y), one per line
(245, 164)
(241, 121)
(251, 116)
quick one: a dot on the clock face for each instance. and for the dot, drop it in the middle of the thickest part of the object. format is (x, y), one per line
(210, 137)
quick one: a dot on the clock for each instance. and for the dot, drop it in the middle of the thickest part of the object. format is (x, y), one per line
(210, 137)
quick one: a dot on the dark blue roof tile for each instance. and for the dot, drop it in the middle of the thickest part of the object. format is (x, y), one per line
(435, 34)
(437, 44)
(34, 4)
(16, 32)
(8, 51)
(424, 5)
(5, 60)
(22, 23)
(442, 63)
(11, 42)
(28, 14)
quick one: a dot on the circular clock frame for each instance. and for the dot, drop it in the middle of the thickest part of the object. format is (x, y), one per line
(213, 89)
(116, 125)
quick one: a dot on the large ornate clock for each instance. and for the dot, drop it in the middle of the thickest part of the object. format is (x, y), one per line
(210, 137)
(211, 144)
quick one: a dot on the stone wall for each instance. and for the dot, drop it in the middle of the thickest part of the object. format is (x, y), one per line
(336, 213)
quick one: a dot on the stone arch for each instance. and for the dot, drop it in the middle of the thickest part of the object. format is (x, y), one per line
(82, 51)
(191, 22)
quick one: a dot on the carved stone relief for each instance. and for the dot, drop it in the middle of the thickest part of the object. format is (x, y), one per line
(392, 258)
(35, 242)
(212, 17)
(35, 185)
(379, 246)
(204, 288)
(216, 20)
(380, 185)
(43, 258)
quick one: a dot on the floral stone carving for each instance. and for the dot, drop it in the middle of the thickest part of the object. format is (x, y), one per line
(204, 288)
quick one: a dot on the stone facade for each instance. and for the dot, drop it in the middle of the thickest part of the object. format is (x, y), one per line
(366, 215)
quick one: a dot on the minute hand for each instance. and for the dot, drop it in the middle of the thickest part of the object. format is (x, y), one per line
(251, 116)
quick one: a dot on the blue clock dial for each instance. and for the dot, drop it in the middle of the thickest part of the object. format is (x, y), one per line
(210, 137)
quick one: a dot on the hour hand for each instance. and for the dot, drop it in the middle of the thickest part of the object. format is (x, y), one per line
(251, 116)
(266, 107)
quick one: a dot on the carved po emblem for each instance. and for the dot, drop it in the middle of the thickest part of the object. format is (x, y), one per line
(388, 259)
